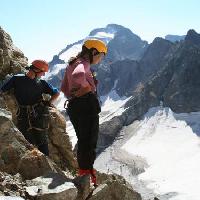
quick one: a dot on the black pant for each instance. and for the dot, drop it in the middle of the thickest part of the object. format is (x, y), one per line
(83, 113)
(34, 126)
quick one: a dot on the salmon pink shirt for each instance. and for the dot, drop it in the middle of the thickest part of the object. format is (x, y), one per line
(78, 75)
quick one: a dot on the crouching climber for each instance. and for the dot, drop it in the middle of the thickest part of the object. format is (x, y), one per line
(33, 111)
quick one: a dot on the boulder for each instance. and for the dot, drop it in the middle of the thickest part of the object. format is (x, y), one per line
(113, 187)
(114, 191)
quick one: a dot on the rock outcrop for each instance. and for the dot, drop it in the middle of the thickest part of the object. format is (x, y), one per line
(12, 60)
(60, 147)
(54, 186)
(12, 185)
(18, 155)
(113, 187)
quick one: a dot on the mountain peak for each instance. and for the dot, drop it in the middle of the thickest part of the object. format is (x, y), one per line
(115, 26)
(193, 37)
(158, 41)
(110, 28)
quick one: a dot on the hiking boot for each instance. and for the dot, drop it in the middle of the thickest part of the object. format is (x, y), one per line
(92, 173)
(83, 185)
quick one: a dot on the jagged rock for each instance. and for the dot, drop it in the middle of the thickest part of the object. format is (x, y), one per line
(155, 57)
(12, 144)
(12, 60)
(34, 164)
(8, 101)
(193, 37)
(114, 191)
(60, 147)
(52, 186)
(113, 187)
(125, 44)
(11, 185)
(108, 131)
(18, 155)
(182, 93)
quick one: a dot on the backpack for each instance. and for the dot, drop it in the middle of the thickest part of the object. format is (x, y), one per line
(64, 84)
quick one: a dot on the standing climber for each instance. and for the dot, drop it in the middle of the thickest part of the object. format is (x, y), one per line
(33, 112)
(79, 87)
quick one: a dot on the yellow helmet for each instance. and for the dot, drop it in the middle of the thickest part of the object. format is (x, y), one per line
(99, 45)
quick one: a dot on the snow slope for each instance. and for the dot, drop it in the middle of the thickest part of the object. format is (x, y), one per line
(164, 149)
(172, 149)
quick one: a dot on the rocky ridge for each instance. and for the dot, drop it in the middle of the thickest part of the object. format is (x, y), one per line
(174, 83)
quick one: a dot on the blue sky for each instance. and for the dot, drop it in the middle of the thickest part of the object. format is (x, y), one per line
(41, 28)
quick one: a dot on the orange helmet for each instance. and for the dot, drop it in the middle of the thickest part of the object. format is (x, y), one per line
(41, 64)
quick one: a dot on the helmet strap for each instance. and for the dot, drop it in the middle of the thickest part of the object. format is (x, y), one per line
(33, 69)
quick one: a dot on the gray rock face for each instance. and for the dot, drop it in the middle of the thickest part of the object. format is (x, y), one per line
(127, 74)
(60, 147)
(125, 44)
(17, 155)
(108, 131)
(113, 187)
(12, 60)
(155, 56)
(114, 191)
(122, 76)
(193, 37)
(182, 93)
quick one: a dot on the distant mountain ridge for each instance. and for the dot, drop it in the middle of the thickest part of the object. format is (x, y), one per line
(175, 83)
(175, 38)
(125, 73)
